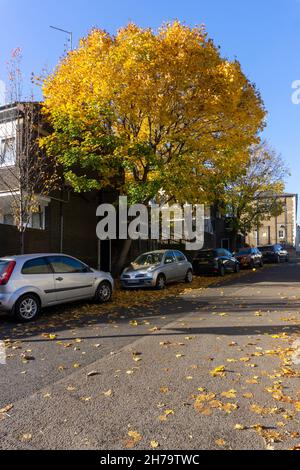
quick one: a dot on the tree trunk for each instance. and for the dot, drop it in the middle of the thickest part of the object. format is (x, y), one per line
(22, 239)
(234, 239)
(123, 255)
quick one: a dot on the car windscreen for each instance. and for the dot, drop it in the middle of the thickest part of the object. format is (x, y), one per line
(148, 259)
(266, 248)
(246, 251)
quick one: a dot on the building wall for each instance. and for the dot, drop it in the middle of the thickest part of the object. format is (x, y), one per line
(280, 229)
(79, 230)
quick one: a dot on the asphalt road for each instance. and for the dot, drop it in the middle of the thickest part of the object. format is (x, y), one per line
(214, 368)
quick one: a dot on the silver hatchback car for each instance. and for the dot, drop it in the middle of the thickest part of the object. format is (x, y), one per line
(156, 269)
(30, 282)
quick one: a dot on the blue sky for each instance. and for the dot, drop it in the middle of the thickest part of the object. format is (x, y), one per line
(263, 35)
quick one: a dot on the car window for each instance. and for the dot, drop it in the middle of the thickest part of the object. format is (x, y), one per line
(64, 264)
(206, 254)
(179, 256)
(244, 251)
(221, 252)
(36, 266)
(169, 258)
(148, 259)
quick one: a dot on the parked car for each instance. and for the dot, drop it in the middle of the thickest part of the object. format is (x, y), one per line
(274, 253)
(31, 282)
(250, 257)
(156, 269)
(215, 261)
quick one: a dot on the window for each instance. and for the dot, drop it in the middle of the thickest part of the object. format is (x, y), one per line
(147, 259)
(8, 219)
(169, 257)
(64, 264)
(7, 151)
(179, 256)
(36, 266)
(221, 252)
(281, 233)
(37, 219)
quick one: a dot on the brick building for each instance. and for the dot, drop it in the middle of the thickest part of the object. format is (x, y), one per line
(279, 229)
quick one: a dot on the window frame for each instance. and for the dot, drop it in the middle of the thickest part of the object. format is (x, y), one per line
(34, 259)
(87, 268)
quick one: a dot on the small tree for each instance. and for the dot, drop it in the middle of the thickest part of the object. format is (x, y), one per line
(251, 197)
(26, 172)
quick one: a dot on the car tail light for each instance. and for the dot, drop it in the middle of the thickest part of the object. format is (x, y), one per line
(5, 276)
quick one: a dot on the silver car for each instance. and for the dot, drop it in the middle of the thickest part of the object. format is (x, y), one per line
(30, 282)
(156, 269)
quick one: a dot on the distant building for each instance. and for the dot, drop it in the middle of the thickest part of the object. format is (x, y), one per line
(281, 229)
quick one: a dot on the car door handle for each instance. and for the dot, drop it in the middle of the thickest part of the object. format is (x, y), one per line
(59, 278)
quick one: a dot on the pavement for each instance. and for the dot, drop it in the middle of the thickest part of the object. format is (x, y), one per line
(214, 368)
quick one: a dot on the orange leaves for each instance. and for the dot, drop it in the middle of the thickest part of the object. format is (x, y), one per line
(123, 102)
(218, 371)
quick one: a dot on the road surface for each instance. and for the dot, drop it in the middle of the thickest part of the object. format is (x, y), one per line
(214, 368)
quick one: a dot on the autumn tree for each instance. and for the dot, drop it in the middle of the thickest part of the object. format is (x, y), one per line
(26, 172)
(146, 111)
(251, 197)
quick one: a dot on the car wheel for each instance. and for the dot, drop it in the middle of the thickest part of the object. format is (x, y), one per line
(237, 268)
(189, 276)
(261, 263)
(160, 282)
(252, 264)
(103, 292)
(277, 259)
(221, 270)
(286, 259)
(27, 308)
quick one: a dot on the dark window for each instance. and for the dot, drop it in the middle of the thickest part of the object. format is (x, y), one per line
(36, 266)
(206, 254)
(64, 264)
(169, 257)
(245, 251)
(180, 256)
(227, 253)
(222, 252)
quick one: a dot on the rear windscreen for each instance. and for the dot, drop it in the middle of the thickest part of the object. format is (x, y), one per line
(245, 252)
(206, 254)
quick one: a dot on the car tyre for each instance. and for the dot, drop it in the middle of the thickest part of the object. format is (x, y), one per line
(27, 308)
(237, 268)
(103, 292)
(277, 260)
(160, 282)
(261, 263)
(189, 276)
(286, 259)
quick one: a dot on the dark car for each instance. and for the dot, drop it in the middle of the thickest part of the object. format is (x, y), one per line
(249, 257)
(274, 253)
(217, 261)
